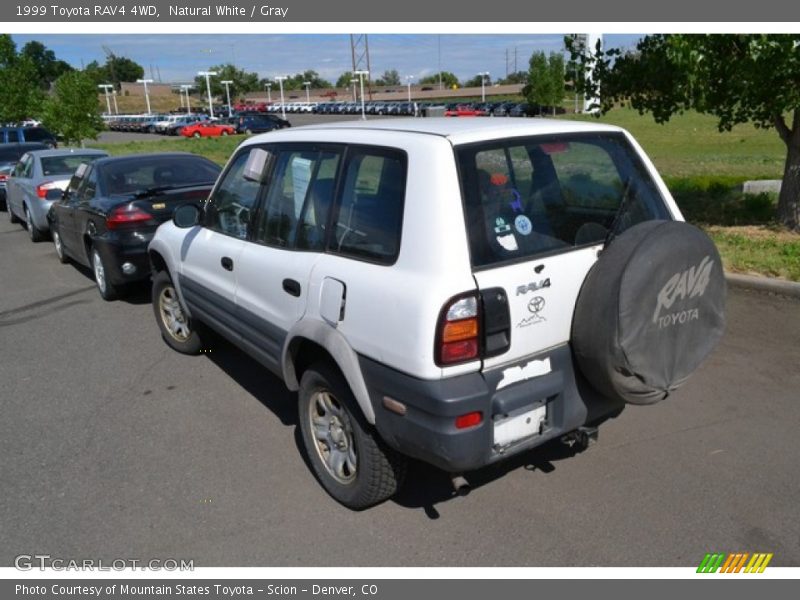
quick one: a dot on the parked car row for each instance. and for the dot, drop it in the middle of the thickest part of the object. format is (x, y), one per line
(426, 295)
(164, 124)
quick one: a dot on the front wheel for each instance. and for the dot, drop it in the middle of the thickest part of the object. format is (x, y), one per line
(196, 134)
(177, 329)
(353, 465)
(224, 133)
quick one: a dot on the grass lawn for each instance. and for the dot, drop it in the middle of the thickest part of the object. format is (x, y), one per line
(758, 250)
(216, 149)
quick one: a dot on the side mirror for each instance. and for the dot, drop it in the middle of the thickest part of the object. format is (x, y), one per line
(186, 215)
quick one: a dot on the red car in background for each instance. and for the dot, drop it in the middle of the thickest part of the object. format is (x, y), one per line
(462, 110)
(204, 129)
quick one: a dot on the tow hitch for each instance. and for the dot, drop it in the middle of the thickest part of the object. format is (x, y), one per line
(580, 439)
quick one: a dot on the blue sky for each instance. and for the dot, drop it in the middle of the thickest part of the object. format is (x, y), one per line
(178, 57)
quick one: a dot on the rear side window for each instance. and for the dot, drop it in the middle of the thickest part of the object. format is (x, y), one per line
(531, 196)
(37, 134)
(64, 165)
(369, 217)
(13, 135)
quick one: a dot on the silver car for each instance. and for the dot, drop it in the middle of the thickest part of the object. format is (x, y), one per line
(39, 178)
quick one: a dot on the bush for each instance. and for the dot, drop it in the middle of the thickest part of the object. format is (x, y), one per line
(720, 201)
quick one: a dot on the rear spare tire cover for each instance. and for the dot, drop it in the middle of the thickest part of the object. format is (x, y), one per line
(650, 310)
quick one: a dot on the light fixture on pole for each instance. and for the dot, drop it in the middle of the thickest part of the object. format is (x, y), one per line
(185, 89)
(307, 84)
(408, 83)
(146, 95)
(280, 79)
(227, 83)
(269, 92)
(106, 87)
(114, 96)
(483, 75)
(361, 75)
(208, 75)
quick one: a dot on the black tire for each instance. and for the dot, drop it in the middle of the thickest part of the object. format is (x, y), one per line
(179, 332)
(224, 133)
(108, 291)
(650, 311)
(12, 218)
(36, 234)
(197, 135)
(57, 243)
(371, 471)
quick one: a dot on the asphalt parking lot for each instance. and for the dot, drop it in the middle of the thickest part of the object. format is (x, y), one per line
(114, 446)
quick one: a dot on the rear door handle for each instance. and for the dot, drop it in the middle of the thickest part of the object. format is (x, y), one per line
(292, 287)
(227, 263)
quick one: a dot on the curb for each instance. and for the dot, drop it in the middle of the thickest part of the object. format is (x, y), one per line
(764, 284)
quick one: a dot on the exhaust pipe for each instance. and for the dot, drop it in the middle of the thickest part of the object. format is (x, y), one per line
(460, 485)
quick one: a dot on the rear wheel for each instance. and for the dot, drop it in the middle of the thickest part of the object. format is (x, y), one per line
(12, 218)
(36, 234)
(177, 329)
(196, 134)
(224, 133)
(108, 291)
(353, 465)
(58, 244)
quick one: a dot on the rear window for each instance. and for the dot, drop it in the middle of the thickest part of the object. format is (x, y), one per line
(134, 176)
(37, 134)
(65, 165)
(530, 196)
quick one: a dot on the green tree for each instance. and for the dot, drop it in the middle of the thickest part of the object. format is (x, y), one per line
(476, 81)
(344, 80)
(122, 69)
(449, 80)
(243, 81)
(72, 109)
(389, 77)
(545, 86)
(20, 97)
(44, 60)
(735, 77)
(8, 50)
(514, 78)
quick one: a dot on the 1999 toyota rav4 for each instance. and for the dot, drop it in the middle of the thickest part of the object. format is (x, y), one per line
(455, 291)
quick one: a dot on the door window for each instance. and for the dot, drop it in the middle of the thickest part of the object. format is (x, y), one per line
(300, 194)
(231, 206)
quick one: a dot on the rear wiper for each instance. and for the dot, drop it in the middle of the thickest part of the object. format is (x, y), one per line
(165, 188)
(621, 209)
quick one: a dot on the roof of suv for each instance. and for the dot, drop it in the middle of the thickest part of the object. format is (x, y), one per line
(464, 130)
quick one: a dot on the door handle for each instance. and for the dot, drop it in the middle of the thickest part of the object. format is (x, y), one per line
(292, 287)
(227, 263)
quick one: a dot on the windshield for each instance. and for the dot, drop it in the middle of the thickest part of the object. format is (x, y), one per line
(65, 165)
(528, 196)
(130, 177)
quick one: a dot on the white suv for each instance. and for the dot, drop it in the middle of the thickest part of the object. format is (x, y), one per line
(451, 290)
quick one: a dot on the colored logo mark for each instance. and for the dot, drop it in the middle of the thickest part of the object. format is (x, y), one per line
(734, 562)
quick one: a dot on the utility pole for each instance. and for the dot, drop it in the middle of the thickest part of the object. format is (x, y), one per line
(280, 79)
(146, 95)
(227, 83)
(107, 87)
(208, 75)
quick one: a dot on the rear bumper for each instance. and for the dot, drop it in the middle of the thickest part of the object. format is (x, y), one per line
(130, 250)
(427, 431)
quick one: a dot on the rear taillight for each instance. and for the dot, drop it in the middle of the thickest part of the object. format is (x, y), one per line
(458, 331)
(3, 177)
(124, 216)
(43, 189)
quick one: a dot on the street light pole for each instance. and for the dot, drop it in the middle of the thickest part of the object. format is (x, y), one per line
(280, 79)
(269, 92)
(354, 81)
(185, 88)
(408, 82)
(106, 87)
(146, 95)
(483, 75)
(308, 97)
(227, 84)
(208, 75)
(361, 75)
(114, 95)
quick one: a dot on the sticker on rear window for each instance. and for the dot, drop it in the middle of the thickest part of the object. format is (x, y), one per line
(500, 226)
(508, 242)
(523, 225)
